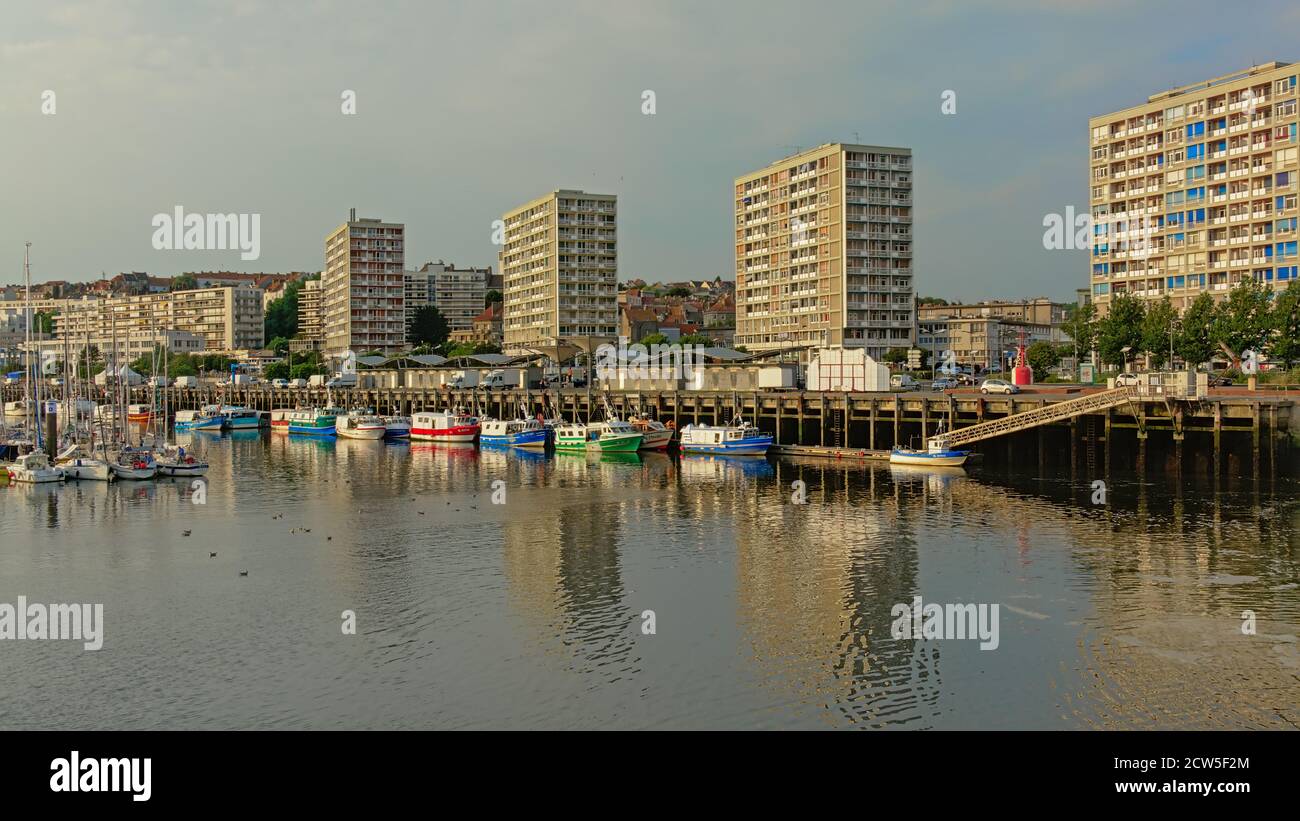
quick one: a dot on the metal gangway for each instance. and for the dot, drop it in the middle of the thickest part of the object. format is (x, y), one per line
(1045, 415)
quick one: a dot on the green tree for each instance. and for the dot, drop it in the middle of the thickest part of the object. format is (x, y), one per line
(696, 339)
(1285, 324)
(281, 318)
(896, 356)
(428, 327)
(1194, 340)
(1042, 356)
(1243, 321)
(279, 344)
(931, 300)
(306, 371)
(43, 322)
(1081, 325)
(1157, 326)
(654, 339)
(184, 282)
(277, 370)
(680, 290)
(492, 296)
(1120, 328)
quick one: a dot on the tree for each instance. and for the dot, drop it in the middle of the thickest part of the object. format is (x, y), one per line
(1120, 328)
(277, 370)
(1081, 325)
(931, 300)
(428, 327)
(1042, 357)
(896, 356)
(1285, 324)
(43, 322)
(1157, 326)
(654, 339)
(280, 345)
(1194, 341)
(492, 296)
(1242, 322)
(696, 339)
(680, 290)
(184, 282)
(306, 371)
(282, 314)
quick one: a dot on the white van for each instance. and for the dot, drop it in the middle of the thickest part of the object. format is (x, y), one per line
(902, 382)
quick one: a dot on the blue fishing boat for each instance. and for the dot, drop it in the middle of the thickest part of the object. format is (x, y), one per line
(209, 417)
(238, 418)
(935, 455)
(738, 439)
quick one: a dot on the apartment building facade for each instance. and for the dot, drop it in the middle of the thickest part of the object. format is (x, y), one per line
(1195, 190)
(459, 294)
(363, 287)
(824, 250)
(311, 335)
(225, 318)
(559, 267)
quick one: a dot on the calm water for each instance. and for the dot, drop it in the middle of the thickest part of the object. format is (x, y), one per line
(768, 614)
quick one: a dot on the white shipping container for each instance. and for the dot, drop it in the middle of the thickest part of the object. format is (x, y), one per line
(776, 376)
(846, 369)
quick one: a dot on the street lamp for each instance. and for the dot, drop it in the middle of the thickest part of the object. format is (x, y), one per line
(1125, 350)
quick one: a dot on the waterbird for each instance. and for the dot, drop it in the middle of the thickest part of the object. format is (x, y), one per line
(185, 532)
(212, 555)
(243, 572)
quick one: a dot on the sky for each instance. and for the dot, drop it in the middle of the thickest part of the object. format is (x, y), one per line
(465, 110)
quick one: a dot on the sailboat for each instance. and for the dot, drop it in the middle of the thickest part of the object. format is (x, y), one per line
(175, 460)
(77, 459)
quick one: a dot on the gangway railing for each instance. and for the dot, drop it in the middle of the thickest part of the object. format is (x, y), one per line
(1045, 415)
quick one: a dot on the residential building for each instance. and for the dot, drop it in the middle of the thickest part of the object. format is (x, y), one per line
(823, 244)
(459, 294)
(311, 336)
(363, 287)
(559, 264)
(981, 333)
(225, 318)
(1195, 189)
(485, 329)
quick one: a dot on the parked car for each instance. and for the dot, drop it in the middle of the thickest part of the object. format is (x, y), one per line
(298, 383)
(998, 386)
(56, 381)
(944, 383)
(902, 382)
(1217, 381)
(1126, 380)
(279, 383)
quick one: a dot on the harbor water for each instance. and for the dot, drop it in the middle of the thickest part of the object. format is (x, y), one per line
(509, 589)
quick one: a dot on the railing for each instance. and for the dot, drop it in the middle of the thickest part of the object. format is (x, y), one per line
(1046, 415)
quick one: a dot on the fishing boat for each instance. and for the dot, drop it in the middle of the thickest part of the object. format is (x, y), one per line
(76, 463)
(177, 461)
(534, 434)
(493, 431)
(34, 468)
(313, 421)
(444, 426)
(139, 414)
(209, 417)
(613, 436)
(133, 464)
(936, 454)
(360, 426)
(397, 427)
(655, 435)
(738, 439)
(238, 418)
(280, 419)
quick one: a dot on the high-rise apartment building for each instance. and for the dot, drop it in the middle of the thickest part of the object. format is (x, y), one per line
(311, 334)
(559, 264)
(1195, 189)
(824, 250)
(363, 287)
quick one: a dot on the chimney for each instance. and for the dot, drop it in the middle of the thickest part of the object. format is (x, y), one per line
(352, 215)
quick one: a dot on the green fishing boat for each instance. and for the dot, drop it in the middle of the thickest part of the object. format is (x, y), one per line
(607, 437)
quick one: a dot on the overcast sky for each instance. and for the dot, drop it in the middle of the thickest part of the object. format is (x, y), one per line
(464, 110)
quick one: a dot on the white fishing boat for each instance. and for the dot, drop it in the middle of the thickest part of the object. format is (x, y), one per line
(175, 460)
(936, 454)
(17, 409)
(77, 463)
(655, 435)
(360, 426)
(133, 464)
(738, 439)
(34, 468)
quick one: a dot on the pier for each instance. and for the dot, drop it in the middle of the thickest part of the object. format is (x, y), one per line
(1077, 426)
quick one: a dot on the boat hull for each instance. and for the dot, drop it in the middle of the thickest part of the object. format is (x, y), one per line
(529, 439)
(371, 434)
(243, 423)
(397, 430)
(96, 470)
(620, 443)
(656, 439)
(36, 477)
(457, 433)
(200, 424)
(948, 459)
(196, 469)
(312, 430)
(751, 446)
(134, 474)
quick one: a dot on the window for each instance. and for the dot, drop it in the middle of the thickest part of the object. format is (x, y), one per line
(1196, 152)
(1194, 130)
